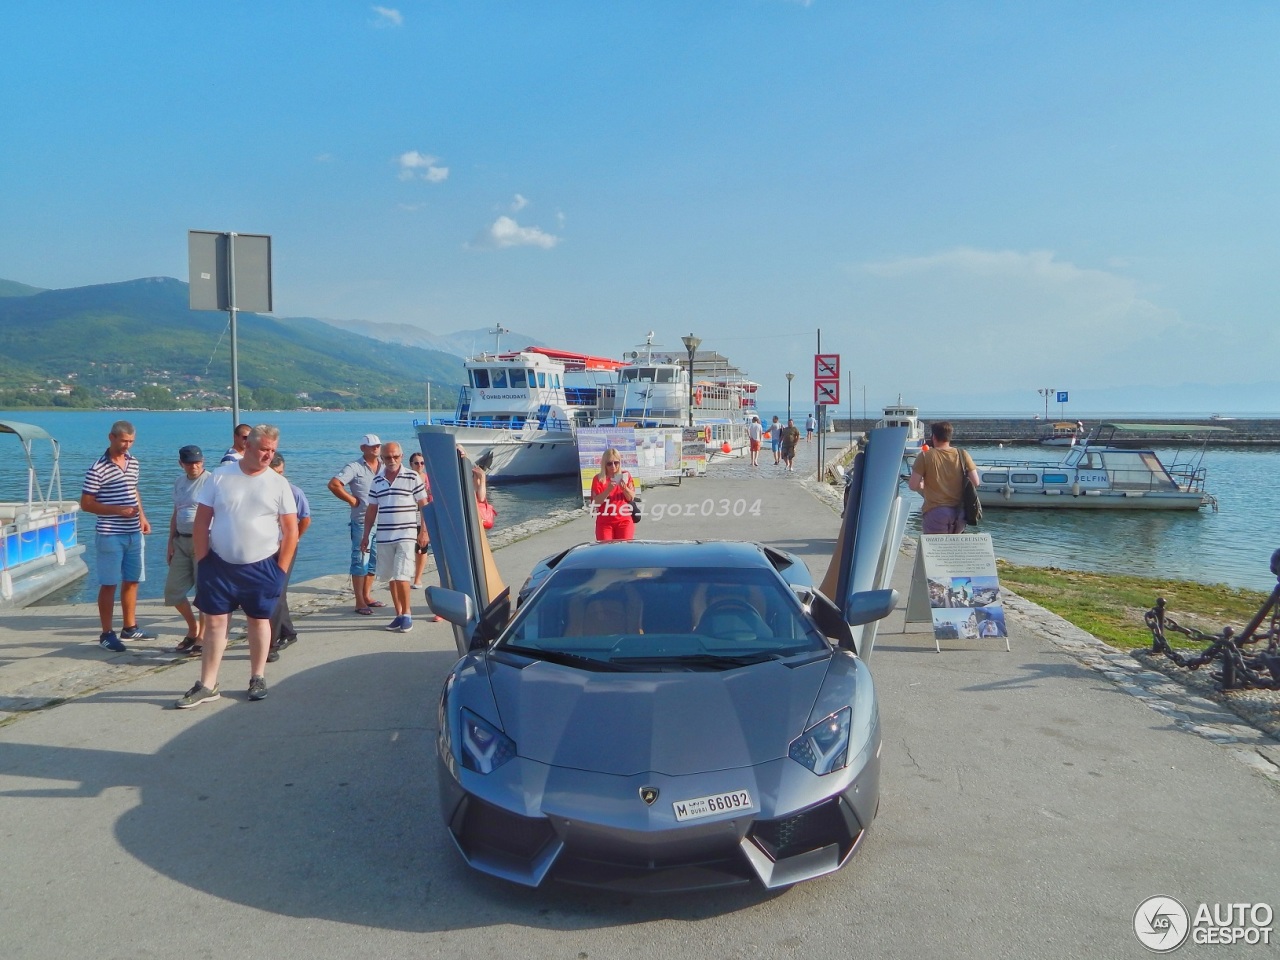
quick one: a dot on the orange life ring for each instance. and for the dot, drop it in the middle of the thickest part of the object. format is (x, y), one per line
(697, 397)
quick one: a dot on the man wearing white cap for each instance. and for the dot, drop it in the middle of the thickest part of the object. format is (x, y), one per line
(351, 486)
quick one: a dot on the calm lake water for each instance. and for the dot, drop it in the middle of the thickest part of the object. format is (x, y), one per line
(1232, 546)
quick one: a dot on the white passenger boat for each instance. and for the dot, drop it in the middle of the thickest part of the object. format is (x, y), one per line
(1099, 474)
(517, 413)
(904, 415)
(39, 550)
(654, 390)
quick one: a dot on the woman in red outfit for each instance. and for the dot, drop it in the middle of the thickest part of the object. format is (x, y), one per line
(612, 492)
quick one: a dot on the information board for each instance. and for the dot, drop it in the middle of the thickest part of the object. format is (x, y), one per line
(954, 586)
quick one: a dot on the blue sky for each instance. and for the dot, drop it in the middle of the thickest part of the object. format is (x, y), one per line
(968, 199)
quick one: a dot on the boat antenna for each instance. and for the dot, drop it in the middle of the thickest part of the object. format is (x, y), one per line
(497, 332)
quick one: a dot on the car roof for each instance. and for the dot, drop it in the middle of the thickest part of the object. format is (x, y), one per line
(621, 554)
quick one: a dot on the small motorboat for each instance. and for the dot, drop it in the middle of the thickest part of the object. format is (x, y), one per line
(39, 550)
(904, 415)
(1064, 433)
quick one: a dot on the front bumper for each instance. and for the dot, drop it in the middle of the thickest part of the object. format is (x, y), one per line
(526, 822)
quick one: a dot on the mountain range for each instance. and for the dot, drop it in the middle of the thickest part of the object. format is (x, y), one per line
(138, 343)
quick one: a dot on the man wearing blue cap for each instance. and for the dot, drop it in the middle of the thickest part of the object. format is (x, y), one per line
(182, 564)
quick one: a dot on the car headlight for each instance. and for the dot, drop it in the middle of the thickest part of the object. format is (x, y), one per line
(484, 747)
(824, 747)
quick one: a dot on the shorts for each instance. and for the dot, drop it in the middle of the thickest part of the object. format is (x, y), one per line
(755, 446)
(182, 571)
(943, 520)
(253, 587)
(362, 564)
(776, 443)
(120, 558)
(395, 562)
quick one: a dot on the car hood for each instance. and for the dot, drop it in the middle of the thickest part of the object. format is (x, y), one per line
(675, 723)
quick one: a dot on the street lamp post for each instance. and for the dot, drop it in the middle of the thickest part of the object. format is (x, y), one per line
(691, 344)
(790, 377)
(1046, 392)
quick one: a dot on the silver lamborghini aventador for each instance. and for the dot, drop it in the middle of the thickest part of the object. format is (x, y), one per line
(664, 716)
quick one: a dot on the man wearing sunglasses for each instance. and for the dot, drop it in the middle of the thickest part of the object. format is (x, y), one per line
(395, 507)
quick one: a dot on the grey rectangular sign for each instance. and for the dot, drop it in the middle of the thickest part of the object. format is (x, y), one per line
(215, 260)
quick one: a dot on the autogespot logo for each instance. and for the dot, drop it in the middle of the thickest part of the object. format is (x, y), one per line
(1161, 924)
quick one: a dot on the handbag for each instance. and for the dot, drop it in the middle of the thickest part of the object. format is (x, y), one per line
(969, 494)
(487, 514)
(636, 515)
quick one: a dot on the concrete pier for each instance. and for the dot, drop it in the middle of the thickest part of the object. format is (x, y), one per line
(1030, 800)
(1025, 430)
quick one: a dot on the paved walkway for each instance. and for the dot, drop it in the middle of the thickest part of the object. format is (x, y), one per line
(1030, 800)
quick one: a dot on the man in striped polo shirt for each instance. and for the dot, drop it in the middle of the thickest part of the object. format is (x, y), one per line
(396, 499)
(110, 493)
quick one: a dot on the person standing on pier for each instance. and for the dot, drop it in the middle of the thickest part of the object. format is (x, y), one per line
(810, 425)
(395, 507)
(755, 434)
(110, 493)
(181, 552)
(775, 439)
(246, 534)
(351, 486)
(236, 451)
(790, 437)
(612, 494)
(938, 475)
(283, 633)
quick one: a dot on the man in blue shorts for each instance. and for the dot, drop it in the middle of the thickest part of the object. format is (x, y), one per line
(245, 533)
(110, 493)
(351, 486)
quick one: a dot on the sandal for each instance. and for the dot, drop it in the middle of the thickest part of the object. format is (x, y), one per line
(364, 611)
(189, 645)
(376, 603)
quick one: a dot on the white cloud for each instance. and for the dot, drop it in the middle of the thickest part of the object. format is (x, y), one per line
(1014, 318)
(518, 203)
(505, 232)
(421, 166)
(387, 17)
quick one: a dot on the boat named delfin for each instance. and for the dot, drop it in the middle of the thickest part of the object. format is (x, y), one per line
(518, 411)
(39, 550)
(1097, 474)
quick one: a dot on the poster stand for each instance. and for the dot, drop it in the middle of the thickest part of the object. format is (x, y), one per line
(954, 586)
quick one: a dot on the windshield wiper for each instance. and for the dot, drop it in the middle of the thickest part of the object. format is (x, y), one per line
(708, 661)
(558, 656)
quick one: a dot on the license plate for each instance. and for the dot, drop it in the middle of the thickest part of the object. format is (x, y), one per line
(735, 801)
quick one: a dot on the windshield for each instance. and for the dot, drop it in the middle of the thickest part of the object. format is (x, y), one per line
(663, 617)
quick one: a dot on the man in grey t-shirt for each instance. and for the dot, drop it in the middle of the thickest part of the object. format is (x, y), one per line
(351, 486)
(180, 553)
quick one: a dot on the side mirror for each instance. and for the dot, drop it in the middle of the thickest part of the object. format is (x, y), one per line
(495, 616)
(868, 606)
(454, 605)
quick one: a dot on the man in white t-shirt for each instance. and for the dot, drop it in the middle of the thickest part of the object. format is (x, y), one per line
(245, 536)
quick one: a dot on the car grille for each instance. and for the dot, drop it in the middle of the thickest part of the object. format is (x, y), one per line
(483, 828)
(831, 822)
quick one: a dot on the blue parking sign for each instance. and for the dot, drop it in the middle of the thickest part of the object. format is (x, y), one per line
(1062, 396)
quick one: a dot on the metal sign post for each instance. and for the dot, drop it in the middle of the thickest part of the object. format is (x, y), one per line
(213, 260)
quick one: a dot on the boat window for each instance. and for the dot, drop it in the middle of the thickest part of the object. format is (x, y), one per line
(542, 380)
(480, 378)
(555, 381)
(499, 378)
(628, 376)
(1000, 477)
(1055, 478)
(1024, 478)
(1074, 456)
(666, 376)
(516, 377)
